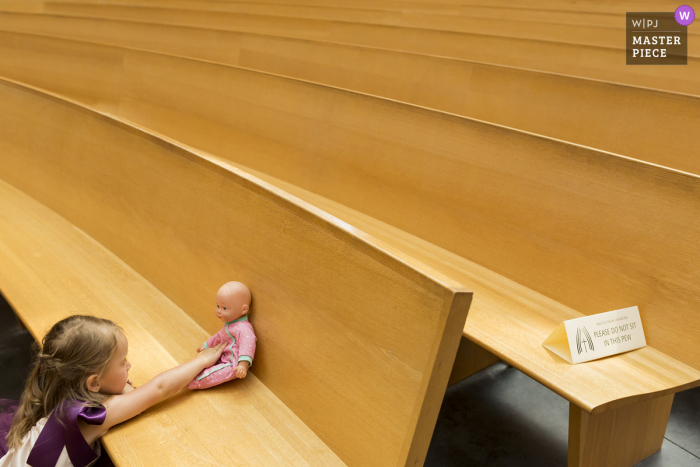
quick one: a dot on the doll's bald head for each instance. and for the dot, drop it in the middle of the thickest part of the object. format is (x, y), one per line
(232, 301)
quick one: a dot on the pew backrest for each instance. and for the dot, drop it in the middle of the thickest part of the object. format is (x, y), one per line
(542, 103)
(236, 47)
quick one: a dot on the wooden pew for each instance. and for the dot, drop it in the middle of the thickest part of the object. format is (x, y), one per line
(25, 6)
(572, 17)
(589, 34)
(232, 47)
(336, 28)
(598, 29)
(388, 14)
(436, 16)
(540, 230)
(451, 6)
(604, 111)
(356, 340)
(570, 5)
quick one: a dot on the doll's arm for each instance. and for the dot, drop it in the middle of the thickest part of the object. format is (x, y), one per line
(213, 341)
(246, 345)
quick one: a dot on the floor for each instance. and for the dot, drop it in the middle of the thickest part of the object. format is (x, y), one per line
(497, 417)
(501, 417)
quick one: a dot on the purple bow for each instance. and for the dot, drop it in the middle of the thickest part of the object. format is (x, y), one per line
(55, 436)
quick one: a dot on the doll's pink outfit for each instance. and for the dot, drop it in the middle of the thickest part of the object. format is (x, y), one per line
(240, 345)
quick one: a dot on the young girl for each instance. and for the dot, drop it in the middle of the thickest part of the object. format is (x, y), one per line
(79, 389)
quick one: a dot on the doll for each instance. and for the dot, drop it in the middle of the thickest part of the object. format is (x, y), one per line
(232, 305)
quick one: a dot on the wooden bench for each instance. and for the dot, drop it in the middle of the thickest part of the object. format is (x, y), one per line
(356, 339)
(451, 7)
(540, 230)
(389, 13)
(566, 5)
(425, 15)
(333, 22)
(601, 63)
(475, 90)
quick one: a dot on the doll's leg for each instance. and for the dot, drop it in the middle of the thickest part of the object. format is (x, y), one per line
(212, 376)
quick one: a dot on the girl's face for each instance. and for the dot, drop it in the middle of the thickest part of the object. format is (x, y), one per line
(114, 378)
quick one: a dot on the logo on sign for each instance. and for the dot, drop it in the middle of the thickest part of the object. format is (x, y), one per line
(583, 340)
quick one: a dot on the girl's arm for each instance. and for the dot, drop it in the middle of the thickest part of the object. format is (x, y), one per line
(125, 406)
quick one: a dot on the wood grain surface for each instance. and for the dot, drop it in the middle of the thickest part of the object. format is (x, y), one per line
(269, 124)
(603, 63)
(453, 202)
(452, 7)
(512, 321)
(429, 16)
(541, 103)
(576, 6)
(470, 359)
(333, 22)
(330, 305)
(51, 270)
(389, 12)
(620, 437)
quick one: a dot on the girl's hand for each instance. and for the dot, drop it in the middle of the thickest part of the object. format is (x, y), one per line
(210, 356)
(200, 348)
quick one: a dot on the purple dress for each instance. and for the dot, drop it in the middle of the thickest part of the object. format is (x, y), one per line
(8, 408)
(55, 436)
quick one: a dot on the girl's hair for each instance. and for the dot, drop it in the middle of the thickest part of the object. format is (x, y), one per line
(74, 349)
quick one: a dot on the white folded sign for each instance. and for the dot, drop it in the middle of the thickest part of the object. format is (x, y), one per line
(597, 336)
